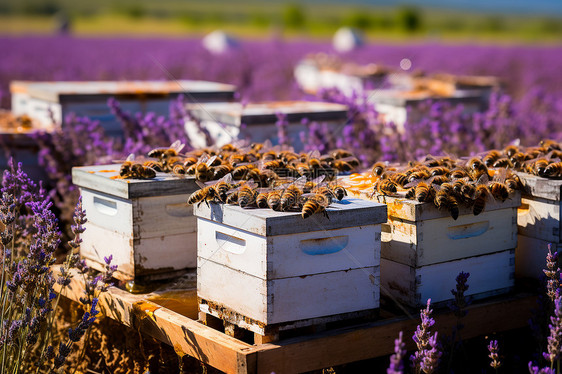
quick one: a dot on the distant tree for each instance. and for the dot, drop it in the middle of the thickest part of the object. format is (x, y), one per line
(409, 19)
(293, 16)
(359, 20)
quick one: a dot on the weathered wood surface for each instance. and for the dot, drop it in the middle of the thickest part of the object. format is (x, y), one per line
(540, 218)
(311, 352)
(294, 255)
(545, 188)
(288, 299)
(101, 90)
(266, 113)
(490, 275)
(267, 222)
(99, 178)
(439, 240)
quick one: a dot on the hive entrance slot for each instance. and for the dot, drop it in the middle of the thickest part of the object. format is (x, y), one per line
(230, 243)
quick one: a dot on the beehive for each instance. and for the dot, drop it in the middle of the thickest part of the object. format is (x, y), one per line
(538, 221)
(145, 224)
(17, 142)
(400, 106)
(90, 98)
(259, 267)
(228, 122)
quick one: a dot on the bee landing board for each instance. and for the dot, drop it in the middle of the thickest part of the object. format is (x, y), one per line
(538, 222)
(145, 224)
(90, 98)
(270, 268)
(228, 122)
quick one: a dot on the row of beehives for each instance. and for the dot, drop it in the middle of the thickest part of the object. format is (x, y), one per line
(396, 93)
(267, 267)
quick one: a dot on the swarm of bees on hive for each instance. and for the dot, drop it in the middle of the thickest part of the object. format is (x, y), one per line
(450, 182)
(258, 175)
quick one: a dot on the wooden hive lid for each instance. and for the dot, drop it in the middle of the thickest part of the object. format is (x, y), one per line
(59, 91)
(349, 212)
(545, 188)
(412, 210)
(98, 178)
(266, 112)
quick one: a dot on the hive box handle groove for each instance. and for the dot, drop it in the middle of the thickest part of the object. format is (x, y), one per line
(104, 206)
(179, 210)
(230, 243)
(470, 230)
(324, 246)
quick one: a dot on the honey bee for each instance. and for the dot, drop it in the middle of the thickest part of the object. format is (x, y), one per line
(261, 199)
(510, 150)
(499, 190)
(550, 144)
(378, 169)
(439, 170)
(491, 157)
(444, 200)
(503, 162)
(553, 170)
(190, 160)
(438, 179)
(477, 168)
(274, 199)
(241, 171)
(399, 178)
(222, 186)
(344, 165)
(385, 187)
(463, 188)
(163, 153)
(341, 153)
(419, 174)
(133, 170)
(204, 194)
(221, 170)
(153, 164)
(339, 192)
(178, 169)
(481, 194)
(459, 173)
(273, 164)
(229, 148)
(247, 194)
(315, 204)
(236, 159)
(540, 166)
(232, 198)
(292, 193)
(411, 193)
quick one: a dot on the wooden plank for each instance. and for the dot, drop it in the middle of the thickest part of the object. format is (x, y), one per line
(377, 339)
(546, 188)
(267, 222)
(285, 256)
(539, 218)
(98, 178)
(184, 334)
(530, 256)
(444, 239)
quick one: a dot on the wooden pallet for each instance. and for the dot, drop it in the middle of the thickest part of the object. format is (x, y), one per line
(240, 326)
(170, 315)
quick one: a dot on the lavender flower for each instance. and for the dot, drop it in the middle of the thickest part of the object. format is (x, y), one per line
(427, 356)
(494, 356)
(282, 128)
(537, 370)
(555, 337)
(460, 301)
(552, 272)
(396, 364)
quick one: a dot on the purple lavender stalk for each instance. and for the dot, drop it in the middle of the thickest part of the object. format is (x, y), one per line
(494, 355)
(396, 360)
(426, 358)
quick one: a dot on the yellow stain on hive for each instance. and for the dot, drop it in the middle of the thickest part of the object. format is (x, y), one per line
(145, 308)
(107, 171)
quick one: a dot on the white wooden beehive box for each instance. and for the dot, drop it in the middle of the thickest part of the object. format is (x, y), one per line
(400, 106)
(538, 222)
(258, 267)
(145, 224)
(423, 250)
(90, 98)
(228, 122)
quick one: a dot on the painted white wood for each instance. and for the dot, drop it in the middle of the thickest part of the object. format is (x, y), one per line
(288, 299)
(349, 212)
(291, 255)
(489, 274)
(444, 239)
(109, 212)
(102, 178)
(530, 256)
(535, 186)
(539, 218)
(139, 257)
